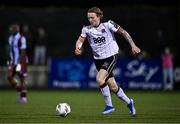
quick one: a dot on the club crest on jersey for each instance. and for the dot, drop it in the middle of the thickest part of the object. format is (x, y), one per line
(103, 30)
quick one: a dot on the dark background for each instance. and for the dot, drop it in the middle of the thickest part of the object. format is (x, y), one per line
(64, 19)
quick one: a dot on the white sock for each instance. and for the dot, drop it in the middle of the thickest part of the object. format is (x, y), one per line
(107, 96)
(123, 96)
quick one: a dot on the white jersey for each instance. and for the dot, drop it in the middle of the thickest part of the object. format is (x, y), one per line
(101, 39)
(16, 43)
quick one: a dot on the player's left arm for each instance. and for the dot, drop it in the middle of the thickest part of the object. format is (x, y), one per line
(23, 56)
(135, 49)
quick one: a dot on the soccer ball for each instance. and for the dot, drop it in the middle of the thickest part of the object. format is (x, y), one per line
(63, 109)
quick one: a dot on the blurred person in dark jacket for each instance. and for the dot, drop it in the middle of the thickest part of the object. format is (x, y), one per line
(40, 47)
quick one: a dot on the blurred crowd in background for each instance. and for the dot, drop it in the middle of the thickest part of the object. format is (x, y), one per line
(52, 30)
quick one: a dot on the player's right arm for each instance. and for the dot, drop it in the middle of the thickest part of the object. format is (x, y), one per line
(79, 43)
(9, 51)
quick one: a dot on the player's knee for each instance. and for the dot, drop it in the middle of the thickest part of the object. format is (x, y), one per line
(100, 81)
(114, 88)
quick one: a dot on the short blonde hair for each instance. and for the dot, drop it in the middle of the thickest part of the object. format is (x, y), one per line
(96, 10)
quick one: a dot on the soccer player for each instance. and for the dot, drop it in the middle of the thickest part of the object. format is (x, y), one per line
(17, 63)
(101, 38)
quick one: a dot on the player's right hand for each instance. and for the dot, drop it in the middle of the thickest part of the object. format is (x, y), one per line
(18, 67)
(78, 51)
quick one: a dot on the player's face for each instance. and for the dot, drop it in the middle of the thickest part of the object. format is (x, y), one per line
(14, 29)
(93, 19)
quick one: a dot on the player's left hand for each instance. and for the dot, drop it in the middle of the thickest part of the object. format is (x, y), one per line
(135, 49)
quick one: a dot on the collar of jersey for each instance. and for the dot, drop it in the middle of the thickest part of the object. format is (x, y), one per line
(17, 35)
(97, 26)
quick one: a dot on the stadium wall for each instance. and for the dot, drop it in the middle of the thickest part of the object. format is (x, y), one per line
(37, 77)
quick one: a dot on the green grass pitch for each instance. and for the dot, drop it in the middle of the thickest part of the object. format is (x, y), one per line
(151, 106)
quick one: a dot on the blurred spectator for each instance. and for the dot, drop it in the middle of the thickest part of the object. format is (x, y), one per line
(160, 41)
(167, 64)
(29, 37)
(40, 47)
